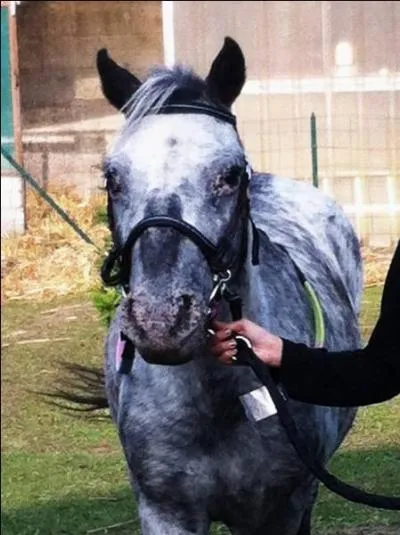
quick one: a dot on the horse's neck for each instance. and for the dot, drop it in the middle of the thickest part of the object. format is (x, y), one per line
(272, 294)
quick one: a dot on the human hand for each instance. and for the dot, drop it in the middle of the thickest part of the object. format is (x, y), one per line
(266, 346)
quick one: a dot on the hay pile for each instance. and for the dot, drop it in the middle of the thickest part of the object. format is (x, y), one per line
(50, 259)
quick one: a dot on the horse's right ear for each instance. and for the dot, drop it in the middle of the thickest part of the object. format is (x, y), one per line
(117, 83)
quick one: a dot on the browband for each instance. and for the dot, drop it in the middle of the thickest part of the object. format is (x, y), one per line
(203, 109)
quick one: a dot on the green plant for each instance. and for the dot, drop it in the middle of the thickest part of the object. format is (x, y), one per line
(100, 217)
(106, 301)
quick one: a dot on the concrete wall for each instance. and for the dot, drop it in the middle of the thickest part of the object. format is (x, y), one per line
(290, 49)
(291, 39)
(12, 208)
(66, 121)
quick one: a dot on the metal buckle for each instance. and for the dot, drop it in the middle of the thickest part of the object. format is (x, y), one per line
(220, 280)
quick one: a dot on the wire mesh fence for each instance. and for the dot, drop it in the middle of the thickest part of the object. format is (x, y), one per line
(353, 158)
(356, 160)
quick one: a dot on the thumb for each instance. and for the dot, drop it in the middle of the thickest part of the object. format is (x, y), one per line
(239, 327)
(220, 325)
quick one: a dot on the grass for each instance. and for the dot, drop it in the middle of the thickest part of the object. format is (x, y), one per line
(66, 476)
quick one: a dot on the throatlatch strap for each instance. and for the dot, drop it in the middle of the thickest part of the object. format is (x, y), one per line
(255, 248)
(128, 355)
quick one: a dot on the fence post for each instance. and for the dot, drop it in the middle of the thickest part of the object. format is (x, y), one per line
(314, 149)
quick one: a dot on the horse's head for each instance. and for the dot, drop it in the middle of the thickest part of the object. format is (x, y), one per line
(181, 163)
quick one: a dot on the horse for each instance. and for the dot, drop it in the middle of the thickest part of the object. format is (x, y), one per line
(193, 452)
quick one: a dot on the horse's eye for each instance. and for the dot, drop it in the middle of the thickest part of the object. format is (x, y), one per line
(113, 180)
(232, 178)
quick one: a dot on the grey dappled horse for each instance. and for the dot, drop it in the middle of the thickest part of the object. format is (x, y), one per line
(194, 456)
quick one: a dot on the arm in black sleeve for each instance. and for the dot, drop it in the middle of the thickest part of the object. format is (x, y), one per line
(351, 378)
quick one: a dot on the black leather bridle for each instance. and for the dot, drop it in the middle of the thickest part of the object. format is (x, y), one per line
(223, 256)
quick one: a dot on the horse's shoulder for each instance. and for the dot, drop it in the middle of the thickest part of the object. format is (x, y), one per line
(283, 204)
(281, 192)
(310, 224)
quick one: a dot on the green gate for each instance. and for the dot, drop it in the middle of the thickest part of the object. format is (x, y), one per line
(13, 217)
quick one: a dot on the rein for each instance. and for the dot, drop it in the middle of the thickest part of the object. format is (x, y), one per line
(222, 259)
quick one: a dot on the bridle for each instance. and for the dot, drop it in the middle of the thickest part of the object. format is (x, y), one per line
(223, 257)
(223, 261)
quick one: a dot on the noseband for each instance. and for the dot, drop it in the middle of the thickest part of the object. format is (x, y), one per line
(222, 257)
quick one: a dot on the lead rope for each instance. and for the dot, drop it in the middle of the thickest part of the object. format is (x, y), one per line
(246, 356)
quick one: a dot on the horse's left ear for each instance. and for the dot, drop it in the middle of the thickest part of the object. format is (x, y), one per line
(227, 74)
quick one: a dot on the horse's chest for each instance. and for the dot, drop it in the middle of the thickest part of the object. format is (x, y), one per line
(227, 464)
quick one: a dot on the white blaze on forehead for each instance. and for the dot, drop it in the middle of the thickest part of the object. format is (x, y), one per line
(164, 149)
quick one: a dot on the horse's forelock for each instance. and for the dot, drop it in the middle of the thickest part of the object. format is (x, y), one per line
(164, 85)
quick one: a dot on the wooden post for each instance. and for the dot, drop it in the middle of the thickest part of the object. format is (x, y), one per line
(16, 101)
(16, 97)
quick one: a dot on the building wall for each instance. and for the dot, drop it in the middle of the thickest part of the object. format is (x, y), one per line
(66, 121)
(290, 39)
(295, 68)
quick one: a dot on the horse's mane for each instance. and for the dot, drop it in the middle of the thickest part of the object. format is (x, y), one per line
(164, 85)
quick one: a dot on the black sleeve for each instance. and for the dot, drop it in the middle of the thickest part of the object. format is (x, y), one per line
(351, 378)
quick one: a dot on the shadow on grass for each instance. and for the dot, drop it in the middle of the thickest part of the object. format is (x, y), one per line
(73, 516)
(97, 500)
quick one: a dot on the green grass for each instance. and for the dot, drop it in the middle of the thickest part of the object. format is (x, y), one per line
(64, 475)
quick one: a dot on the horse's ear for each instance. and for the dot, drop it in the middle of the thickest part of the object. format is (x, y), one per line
(117, 83)
(227, 74)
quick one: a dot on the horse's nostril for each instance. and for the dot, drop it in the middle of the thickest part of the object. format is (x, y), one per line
(187, 301)
(182, 319)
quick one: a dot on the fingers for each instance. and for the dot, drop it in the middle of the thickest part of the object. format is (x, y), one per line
(221, 336)
(227, 357)
(223, 346)
(220, 348)
(222, 343)
(220, 327)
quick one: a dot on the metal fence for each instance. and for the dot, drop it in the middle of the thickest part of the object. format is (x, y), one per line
(355, 161)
